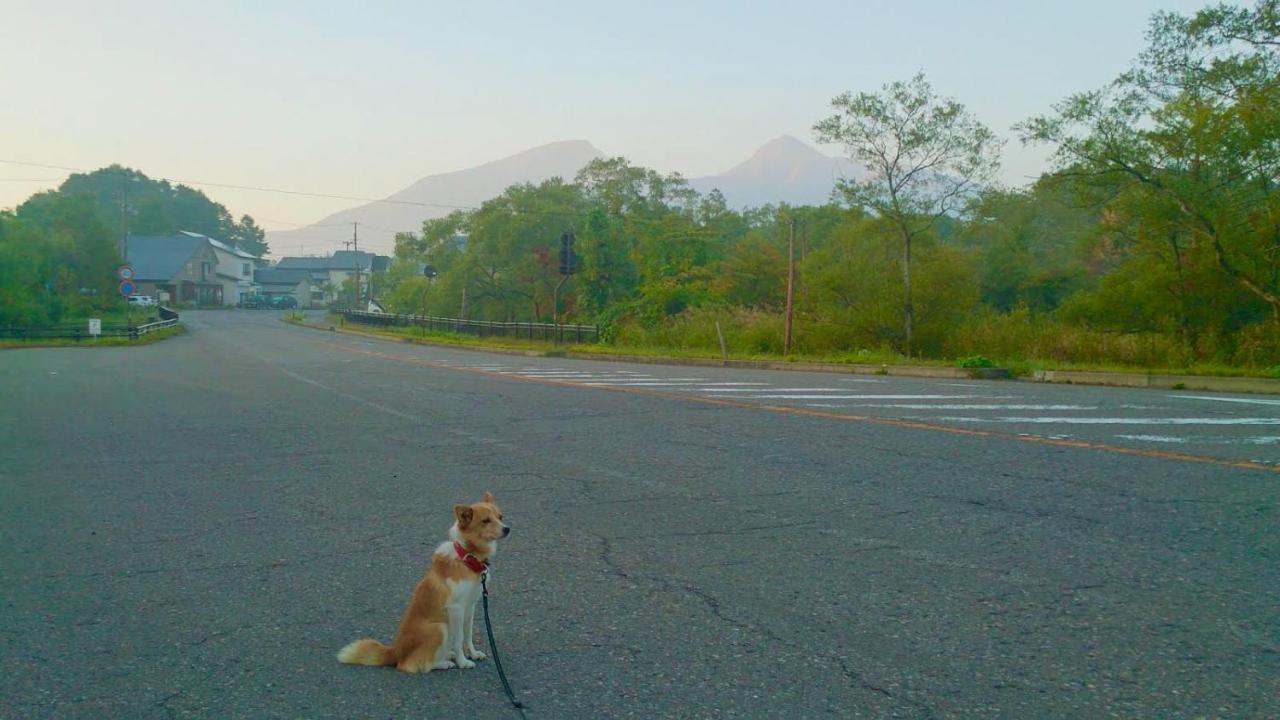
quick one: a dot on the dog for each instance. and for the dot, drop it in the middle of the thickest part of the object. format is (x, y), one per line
(436, 631)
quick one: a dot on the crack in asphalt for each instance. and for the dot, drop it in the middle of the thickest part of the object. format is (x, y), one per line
(713, 604)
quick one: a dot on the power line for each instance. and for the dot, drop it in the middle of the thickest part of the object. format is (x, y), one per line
(256, 188)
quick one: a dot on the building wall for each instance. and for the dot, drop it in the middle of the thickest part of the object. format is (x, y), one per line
(231, 264)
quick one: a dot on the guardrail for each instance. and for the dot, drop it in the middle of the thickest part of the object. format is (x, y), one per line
(80, 330)
(152, 327)
(481, 328)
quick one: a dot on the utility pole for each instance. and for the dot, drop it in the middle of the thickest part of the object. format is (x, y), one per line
(124, 242)
(791, 283)
(355, 242)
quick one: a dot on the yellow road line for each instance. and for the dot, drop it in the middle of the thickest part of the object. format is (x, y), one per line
(826, 415)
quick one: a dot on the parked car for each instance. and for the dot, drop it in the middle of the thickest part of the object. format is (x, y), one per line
(142, 300)
(281, 302)
(252, 302)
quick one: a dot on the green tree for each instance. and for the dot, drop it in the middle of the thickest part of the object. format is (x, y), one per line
(924, 155)
(1190, 135)
(249, 236)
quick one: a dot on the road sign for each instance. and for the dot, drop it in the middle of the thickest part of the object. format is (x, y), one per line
(95, 327)
(126, 288)
(125, 272)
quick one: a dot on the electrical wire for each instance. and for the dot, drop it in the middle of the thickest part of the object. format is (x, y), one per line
(258, 188)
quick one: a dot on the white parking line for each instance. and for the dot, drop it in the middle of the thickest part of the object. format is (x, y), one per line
(1251, 401)
(869, 397)
(663, 383)
(777, 389)
(1118, 421)
(975, 406)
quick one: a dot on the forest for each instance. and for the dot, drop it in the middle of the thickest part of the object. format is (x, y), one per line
(1152, 241)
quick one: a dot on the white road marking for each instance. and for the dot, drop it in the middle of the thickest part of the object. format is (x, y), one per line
(597, 376)
(666, 383)
(867, 397)
(1154, 438)
(976, 406)
(1118, 421)
(1263, 440)
(1251, 401)
(774, 389)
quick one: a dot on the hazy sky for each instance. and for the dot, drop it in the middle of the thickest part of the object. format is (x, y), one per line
(364, 98)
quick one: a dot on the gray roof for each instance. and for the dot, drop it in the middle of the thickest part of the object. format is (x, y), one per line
(340, 260)
(346, 260)
(157, 258)
(309, 263)
(280, 276)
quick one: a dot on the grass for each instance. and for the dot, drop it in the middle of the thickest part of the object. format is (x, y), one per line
(1017, 366)
(151, 337)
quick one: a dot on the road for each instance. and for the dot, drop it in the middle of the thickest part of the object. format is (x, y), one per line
(194, 528)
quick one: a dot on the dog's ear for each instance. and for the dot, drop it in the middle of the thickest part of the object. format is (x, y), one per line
(463, 513)
(488, 497)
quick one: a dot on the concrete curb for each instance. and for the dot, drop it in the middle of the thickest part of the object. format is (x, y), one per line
(1158, 381)
(1071, 377)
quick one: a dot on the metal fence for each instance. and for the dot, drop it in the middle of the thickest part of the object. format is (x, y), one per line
(80, 330)
(481, 328)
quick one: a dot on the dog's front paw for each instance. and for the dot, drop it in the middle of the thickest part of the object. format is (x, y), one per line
(475, 654)
(465, 664)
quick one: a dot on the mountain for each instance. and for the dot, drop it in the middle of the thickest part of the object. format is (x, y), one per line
(380, 221)
(782, 170)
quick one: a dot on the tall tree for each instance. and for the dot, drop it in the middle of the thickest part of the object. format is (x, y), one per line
(249, 236)
(1192, 133)
(925, 156)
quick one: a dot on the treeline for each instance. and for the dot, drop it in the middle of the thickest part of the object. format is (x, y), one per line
(60, 249)
(1154, 240)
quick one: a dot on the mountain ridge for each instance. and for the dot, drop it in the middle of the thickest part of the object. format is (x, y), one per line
(784, 169)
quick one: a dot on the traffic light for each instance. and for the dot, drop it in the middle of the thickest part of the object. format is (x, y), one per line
(568, 258)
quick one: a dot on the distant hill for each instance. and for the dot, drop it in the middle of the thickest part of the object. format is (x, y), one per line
(783, 170)
(380, 221)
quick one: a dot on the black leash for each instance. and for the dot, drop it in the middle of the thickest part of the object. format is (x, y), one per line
(493, 646)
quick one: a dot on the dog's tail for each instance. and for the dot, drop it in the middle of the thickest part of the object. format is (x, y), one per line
(367, 652)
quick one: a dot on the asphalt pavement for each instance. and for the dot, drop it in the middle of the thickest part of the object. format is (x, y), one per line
(193, 528)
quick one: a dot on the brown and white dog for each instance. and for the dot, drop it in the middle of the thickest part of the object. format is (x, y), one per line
(436, 632)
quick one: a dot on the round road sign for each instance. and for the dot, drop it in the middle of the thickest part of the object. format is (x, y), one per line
(125, 272)
(126, 288)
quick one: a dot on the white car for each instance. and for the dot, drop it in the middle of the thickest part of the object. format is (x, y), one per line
(142, 300)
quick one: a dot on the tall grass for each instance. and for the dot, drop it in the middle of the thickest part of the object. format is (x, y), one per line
(1019, 339)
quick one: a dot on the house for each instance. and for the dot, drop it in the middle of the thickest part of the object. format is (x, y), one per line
(234, 271)
(179, 268)
(277, 281)
(329, 273)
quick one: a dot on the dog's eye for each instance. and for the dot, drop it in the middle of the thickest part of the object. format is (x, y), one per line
(486, 521)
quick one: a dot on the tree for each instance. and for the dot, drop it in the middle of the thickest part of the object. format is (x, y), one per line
(924, 155)
(156, 207)
(1192, 134)
(249, 236)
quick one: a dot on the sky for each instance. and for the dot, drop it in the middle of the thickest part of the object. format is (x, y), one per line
(362, 99)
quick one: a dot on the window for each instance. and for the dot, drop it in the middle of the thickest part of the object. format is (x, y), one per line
(244, 269)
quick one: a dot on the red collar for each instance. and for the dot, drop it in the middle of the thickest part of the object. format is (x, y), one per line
(471, 561)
